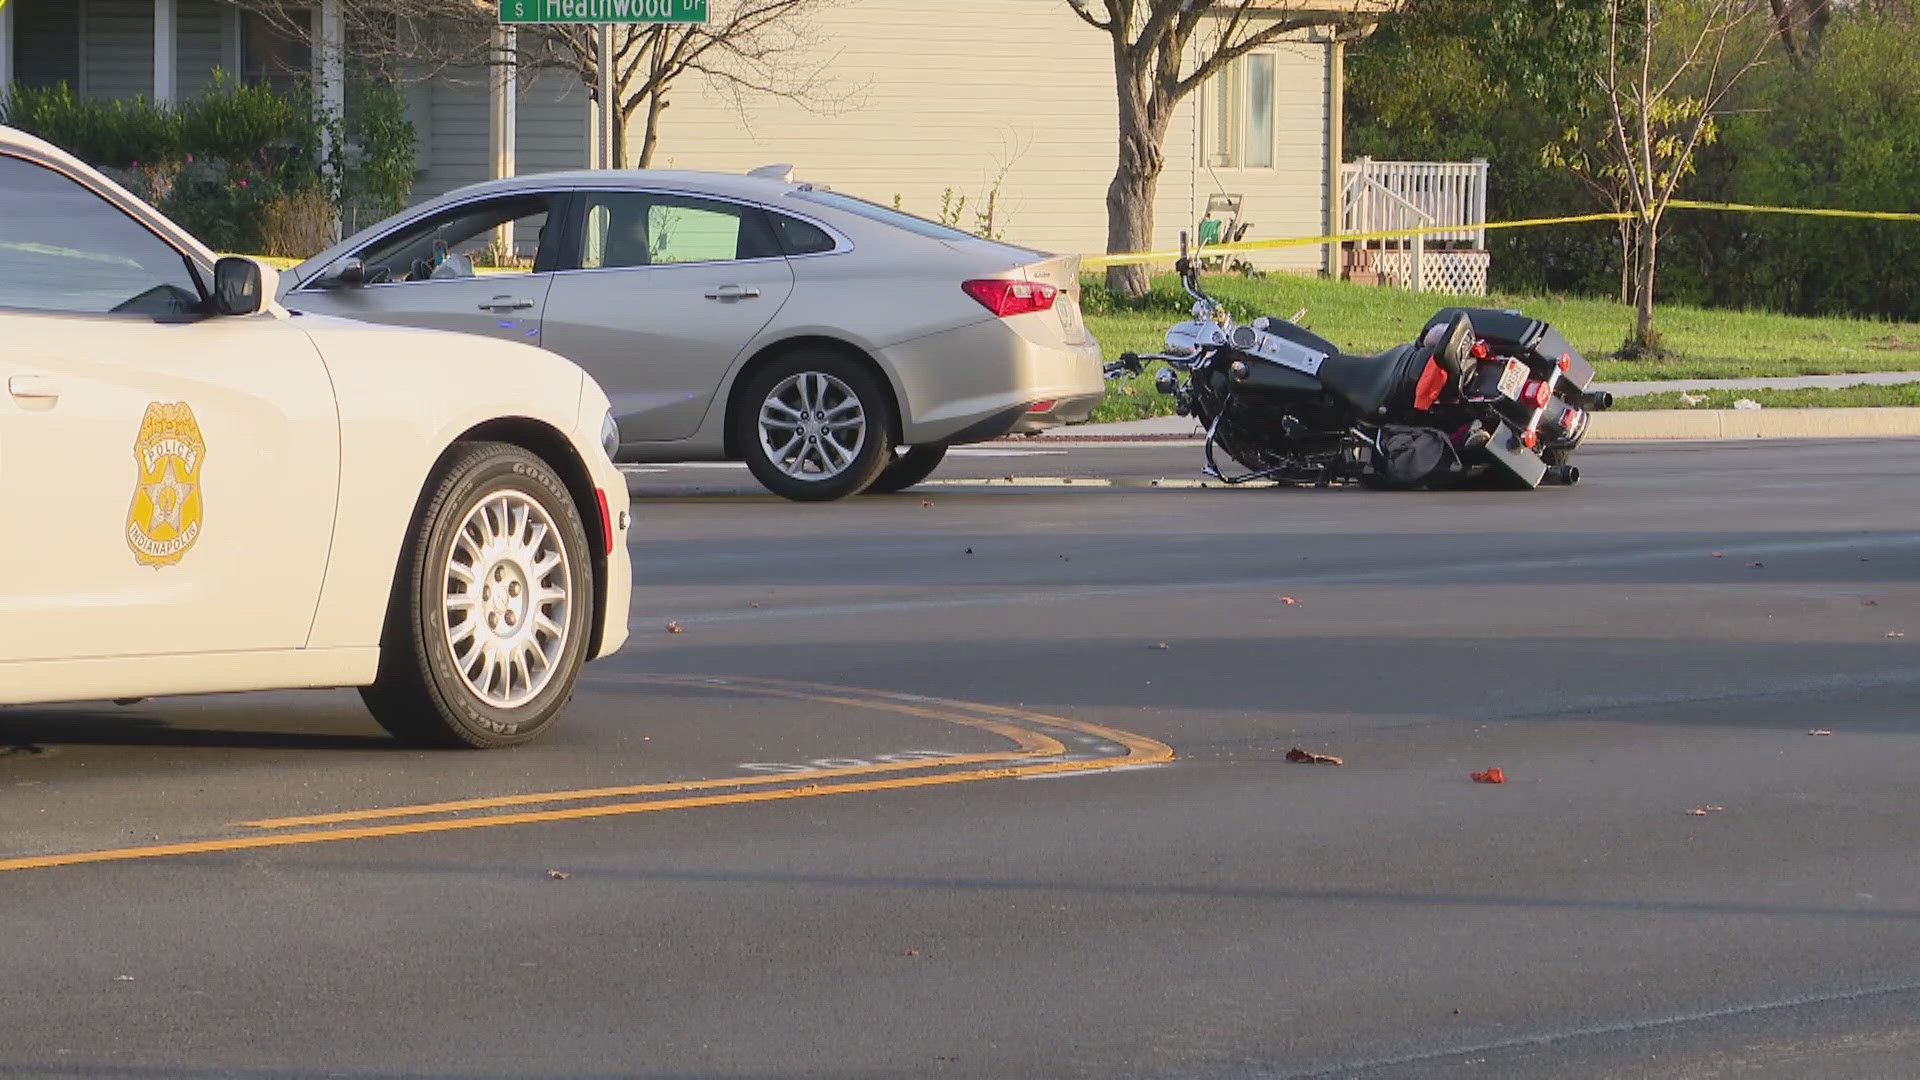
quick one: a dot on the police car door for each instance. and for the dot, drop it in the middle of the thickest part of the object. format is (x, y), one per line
(169, 479)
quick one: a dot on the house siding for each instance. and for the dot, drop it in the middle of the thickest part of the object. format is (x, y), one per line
(552, 123)
(46, 43)
(118, 48)
(927, 96)
(201, 45)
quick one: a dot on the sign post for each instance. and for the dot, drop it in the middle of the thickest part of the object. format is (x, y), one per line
(605, 14)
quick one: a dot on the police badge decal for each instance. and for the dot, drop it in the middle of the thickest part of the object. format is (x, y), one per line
(164, 520)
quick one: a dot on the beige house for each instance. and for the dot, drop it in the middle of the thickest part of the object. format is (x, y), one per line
(932, 96)
(1008, 104)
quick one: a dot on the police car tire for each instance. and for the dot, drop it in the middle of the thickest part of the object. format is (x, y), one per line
(419, 695)
(875, 404)
(908, 469)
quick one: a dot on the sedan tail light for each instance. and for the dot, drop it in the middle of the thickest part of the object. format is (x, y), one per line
(1007, 298)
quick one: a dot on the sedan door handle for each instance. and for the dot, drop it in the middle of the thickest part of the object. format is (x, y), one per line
(34, 387)
(729, 293)
(506, 303)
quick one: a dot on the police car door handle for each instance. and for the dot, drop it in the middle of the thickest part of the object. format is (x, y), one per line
(506, 303)
(34, 387)
(729, 293)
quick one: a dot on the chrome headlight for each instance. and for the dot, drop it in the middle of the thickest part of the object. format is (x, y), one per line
(610, 435)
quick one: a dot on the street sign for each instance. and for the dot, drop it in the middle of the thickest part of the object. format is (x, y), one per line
(517, 12)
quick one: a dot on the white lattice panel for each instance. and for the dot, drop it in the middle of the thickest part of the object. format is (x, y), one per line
(1459, 272)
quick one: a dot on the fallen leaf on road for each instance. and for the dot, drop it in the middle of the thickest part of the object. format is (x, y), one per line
(1756, 566)
(1307, 757)
(1819, 731)
(1491, 776)
(969, 551)
(1869, 603)
(1703, 811)
(1896, 633)
(1009, 478)
(558, 875)
(756, 603)
(926, 504)
(1719, 554)
(1289, 601)
(913, 952)
(674, 628)
(1161, 646)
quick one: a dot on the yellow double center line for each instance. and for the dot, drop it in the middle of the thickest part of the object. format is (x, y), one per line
(1037, 752)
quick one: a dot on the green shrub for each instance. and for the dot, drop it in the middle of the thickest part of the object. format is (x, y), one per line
(245, 168)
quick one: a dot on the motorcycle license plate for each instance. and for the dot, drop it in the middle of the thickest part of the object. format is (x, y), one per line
(1513, 380)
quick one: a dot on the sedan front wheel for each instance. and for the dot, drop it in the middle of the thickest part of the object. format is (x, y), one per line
(815, 426)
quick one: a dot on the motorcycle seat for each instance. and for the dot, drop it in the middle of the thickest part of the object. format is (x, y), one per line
(1367, 382)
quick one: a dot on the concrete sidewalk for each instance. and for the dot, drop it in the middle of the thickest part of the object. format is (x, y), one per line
(1790, 382)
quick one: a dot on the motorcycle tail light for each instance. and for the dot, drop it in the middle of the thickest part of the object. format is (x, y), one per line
(1537, 393)
(1480, 350)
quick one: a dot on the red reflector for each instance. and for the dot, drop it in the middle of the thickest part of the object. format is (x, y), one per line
(1480, 350)
(1532, 439)
(606, 520)
(1042, 406)
(1007, 298)
(1566, 361)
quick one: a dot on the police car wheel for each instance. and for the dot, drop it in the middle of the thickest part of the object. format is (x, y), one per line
(492, 608)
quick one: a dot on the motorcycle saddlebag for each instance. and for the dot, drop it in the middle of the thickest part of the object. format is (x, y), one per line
(1412, 457)
(1543, 343)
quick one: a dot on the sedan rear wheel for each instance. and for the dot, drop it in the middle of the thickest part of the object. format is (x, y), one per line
(489, 621)
(909, 467)
(815, 426)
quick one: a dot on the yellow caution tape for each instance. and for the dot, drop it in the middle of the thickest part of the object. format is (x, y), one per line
(1865, 215)
(1098, 262)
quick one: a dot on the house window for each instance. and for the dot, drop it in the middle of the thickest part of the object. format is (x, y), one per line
(1240, 129)
(272, 56)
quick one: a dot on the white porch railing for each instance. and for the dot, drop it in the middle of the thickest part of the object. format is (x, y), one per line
(1379, 196)
(1449, 197)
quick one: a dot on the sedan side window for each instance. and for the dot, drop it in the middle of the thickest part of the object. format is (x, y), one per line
(627, 229)
(64, 248)
(499, 236)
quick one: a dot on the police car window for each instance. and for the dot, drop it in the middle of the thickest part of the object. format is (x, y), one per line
(64, 248)
(628, 229)
(801, 237)
(502, 236)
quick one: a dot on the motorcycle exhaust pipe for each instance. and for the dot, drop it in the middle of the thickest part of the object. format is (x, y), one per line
(1597, 401)
(1563, 475)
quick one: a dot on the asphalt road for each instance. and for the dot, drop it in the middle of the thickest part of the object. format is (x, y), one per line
(893, 802)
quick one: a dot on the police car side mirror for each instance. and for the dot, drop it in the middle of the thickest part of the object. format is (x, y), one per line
(242, 286)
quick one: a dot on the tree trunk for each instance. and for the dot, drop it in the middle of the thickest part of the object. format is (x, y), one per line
(656, 104)
(1135, 183)
(1643, 333)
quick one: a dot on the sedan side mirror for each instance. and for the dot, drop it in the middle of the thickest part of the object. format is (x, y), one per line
(242, 286)
(348, 273)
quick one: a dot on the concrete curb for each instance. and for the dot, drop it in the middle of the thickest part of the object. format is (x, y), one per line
(1697, 424)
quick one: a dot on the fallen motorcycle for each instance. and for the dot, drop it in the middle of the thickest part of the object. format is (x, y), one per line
(1480, 395)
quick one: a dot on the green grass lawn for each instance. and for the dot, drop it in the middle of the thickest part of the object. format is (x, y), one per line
(1846, 397)
(1705, 344)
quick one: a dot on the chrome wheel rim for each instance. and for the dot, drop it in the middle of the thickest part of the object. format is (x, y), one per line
(508, 599)
(812, 426)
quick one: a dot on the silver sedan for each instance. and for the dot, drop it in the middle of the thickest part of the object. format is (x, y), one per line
(834, 345)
